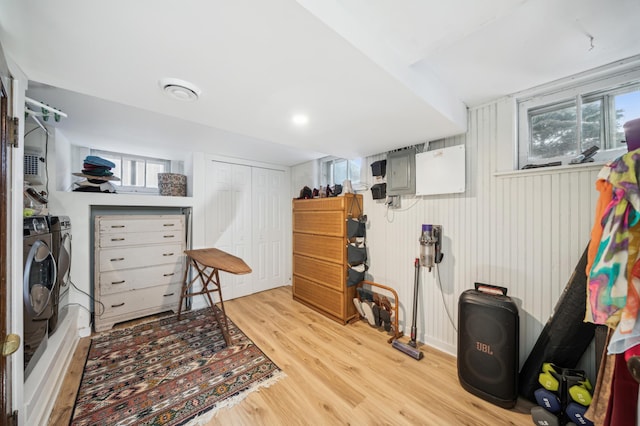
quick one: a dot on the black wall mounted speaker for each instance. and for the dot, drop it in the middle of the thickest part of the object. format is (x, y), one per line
(488, 341)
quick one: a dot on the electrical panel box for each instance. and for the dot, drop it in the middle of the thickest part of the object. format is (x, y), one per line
(401, 172)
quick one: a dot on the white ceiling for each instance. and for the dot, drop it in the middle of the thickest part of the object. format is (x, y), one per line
(372, 75)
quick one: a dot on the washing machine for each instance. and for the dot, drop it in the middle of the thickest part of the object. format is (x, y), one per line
(38, 286)
(60, 227)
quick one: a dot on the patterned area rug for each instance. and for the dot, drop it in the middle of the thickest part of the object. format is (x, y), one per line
(169, 372)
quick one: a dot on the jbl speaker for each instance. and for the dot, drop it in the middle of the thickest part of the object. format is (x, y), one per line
(488, 341)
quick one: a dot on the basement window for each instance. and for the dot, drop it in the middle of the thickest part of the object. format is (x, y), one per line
(560, 124)
(137, 174)
(336, 170)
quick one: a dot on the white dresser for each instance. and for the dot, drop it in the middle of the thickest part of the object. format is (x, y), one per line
(139, 266)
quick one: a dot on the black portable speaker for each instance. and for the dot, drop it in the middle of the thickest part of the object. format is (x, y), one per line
(488, 341)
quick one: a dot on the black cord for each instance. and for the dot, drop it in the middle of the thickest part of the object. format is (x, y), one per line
(89, 296)
(444, 301)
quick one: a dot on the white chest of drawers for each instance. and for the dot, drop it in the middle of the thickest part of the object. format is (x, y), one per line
(139, 266)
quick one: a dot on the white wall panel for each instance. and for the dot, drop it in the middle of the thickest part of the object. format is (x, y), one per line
(524, 230)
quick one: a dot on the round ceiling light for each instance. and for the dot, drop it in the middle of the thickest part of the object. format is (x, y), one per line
(300, 119)
(180, 89)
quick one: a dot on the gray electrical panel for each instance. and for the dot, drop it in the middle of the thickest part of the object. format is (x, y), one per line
(401, 172)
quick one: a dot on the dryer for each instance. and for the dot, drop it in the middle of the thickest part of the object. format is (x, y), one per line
(38, 285)
(60, 227)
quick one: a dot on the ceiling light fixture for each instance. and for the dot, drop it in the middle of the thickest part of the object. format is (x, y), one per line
(300, 119)
(179, 89)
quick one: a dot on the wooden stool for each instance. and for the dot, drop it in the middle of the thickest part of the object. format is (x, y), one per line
(214, 260)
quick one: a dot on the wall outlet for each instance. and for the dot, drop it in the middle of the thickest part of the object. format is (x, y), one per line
(393, 201)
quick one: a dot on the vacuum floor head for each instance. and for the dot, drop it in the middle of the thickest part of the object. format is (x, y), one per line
(409, 350)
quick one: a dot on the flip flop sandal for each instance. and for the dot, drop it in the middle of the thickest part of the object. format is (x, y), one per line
(376, 315)
(358, 304)
(385, 319)
(376, 299)
(367, 307)
(384, 302)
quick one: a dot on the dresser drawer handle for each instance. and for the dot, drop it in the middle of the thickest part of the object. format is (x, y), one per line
(117, 226)
(167, 254)
(117, 259)
(169, 236)
(118, 282)
(169, 224)
(168, 275)
(118, 305)
(117, 239)
(170, 294)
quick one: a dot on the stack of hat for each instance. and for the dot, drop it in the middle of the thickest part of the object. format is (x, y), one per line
(97, 166)
(97, 172)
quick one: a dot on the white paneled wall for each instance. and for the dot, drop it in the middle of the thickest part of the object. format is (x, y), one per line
(524, 230)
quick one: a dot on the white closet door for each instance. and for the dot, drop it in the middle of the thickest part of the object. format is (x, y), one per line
(228, 224)
(268, 225)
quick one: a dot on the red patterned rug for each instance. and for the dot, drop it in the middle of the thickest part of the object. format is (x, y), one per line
(168, 372)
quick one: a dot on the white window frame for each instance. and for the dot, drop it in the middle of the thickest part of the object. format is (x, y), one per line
(327, 178)
(123, 156)
(607, 80)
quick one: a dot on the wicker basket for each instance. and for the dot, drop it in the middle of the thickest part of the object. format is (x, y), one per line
(172, 184)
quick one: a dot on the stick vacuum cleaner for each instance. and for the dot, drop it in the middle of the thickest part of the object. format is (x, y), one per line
(411, 347)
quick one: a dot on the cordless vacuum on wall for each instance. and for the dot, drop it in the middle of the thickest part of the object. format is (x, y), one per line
(430, 246)
(430, 254)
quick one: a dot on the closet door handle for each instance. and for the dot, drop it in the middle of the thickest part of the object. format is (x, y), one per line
(117, 282)
(117, 259)
(170, 294)
(118, 305)
(167, 254)
(168, 275)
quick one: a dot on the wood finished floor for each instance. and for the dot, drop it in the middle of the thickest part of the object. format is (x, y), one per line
(336, 375)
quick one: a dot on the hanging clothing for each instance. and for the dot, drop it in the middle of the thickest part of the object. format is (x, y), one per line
(606, 193)
(609, 276)
(624, 396)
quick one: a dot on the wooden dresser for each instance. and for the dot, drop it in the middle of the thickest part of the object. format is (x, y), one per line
(320, 255)
(139, 266)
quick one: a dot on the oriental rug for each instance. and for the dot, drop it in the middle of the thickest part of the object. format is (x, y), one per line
(169, 372)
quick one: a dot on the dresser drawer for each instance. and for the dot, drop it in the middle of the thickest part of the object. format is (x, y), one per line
(330, 274)
(326, 299)
(135, 238)
(160, 299)
(331, 223)
(112, 259)
(332, 203)
(142, 223)
(331, 249)
(138, 278)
